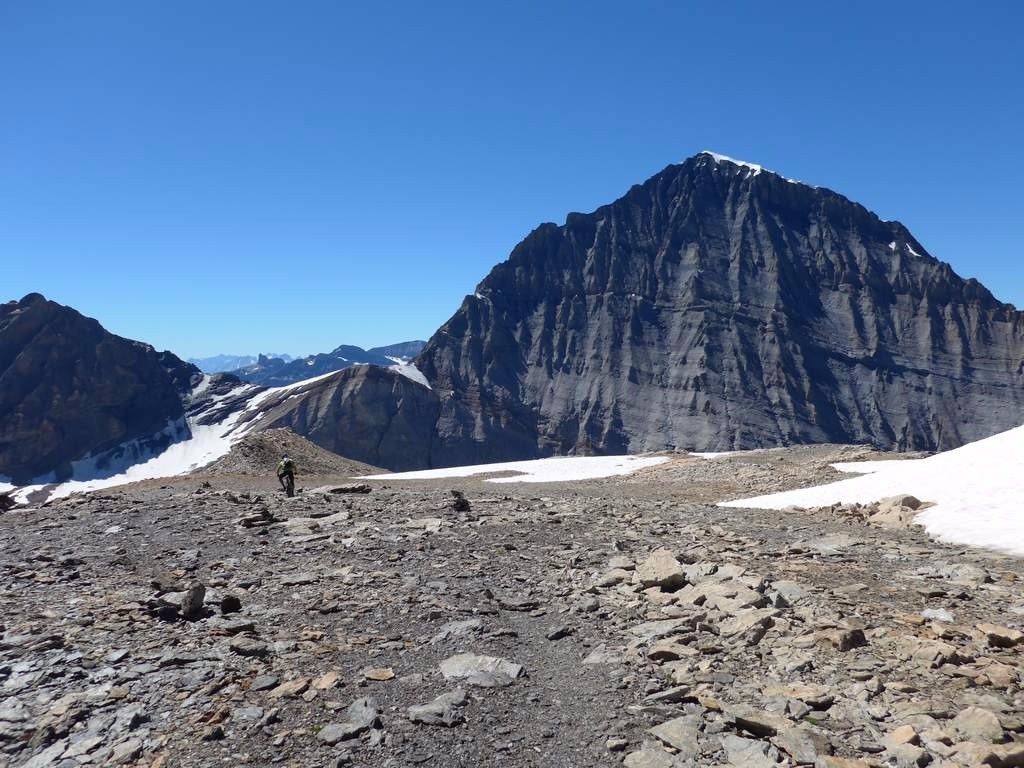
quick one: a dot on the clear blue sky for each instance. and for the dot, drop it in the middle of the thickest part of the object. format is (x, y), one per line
(241, 176)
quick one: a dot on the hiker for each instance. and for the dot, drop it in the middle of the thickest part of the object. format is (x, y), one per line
(286, 474)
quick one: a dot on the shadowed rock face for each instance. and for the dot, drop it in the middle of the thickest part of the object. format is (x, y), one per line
(69, 388)
(715, 307)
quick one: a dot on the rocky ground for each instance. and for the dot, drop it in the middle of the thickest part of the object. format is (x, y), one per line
(208, 621)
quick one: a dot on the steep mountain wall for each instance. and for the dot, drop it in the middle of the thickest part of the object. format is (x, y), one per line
(719, 306)
(69, 388)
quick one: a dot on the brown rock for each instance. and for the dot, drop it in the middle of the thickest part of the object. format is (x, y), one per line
(661, 569)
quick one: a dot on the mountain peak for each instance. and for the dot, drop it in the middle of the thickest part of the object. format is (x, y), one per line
(719, 159)
(752, 169)
(31, 299)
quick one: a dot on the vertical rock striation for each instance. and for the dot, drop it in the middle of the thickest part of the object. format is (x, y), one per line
(720, 306)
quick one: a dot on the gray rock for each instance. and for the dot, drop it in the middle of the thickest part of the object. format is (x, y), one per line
(299, 579)
(247, 646)
(363, 714)
(454, 629)
(192, 601)
(747, 753)
(977, 724)
(650, 757)
(483, 671)
(125, 752)
(444, 710)
(680, 733)
(656, 276)
(263, 683)
(247, 714)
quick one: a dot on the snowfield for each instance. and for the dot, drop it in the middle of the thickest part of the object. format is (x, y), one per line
(561, 469)
(410, 371)
(977, 491)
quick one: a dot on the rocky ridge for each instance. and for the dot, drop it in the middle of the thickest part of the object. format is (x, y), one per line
(258, 453)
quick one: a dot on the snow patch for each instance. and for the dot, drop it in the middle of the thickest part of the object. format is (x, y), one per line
(912, 251)
(976, 491)
(410, 371)
(561, 469)
(207, 443)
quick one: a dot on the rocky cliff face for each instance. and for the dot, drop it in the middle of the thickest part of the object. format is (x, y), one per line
(68, 388)
(719, 306)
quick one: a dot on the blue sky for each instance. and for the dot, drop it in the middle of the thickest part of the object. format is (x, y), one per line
(244, 176)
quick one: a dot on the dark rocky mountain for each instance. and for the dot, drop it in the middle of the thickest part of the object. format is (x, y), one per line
(720, 306)
(69, 388)
(716, 306)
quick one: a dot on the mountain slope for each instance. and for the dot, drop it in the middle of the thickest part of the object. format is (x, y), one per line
(721, 306)
(69, 388)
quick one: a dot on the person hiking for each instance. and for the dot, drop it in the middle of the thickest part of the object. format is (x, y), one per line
(286, 474)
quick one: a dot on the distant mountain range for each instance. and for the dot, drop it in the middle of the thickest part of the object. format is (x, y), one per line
(223, 363)
(276, 371)
(716, 306)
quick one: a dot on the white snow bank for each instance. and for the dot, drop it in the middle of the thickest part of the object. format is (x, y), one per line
(976, 489)
(562, 469)
(409, 370)
(207, 443)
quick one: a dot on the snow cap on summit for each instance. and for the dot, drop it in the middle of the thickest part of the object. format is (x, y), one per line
(725, 159)
(719, 159)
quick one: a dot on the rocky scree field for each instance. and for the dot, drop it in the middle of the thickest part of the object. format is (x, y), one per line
(208, 620)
